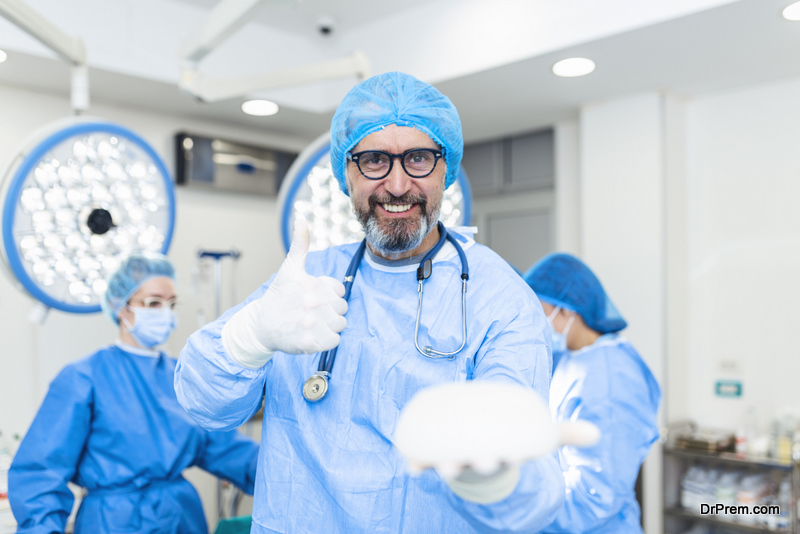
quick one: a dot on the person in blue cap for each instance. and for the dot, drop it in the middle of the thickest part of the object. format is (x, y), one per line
(327, 464)
(600, 378)
(111, 424)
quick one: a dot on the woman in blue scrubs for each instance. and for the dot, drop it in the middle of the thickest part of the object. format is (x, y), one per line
(111, 423)
(598, 377)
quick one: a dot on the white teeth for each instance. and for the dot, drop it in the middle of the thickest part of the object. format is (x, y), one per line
(397, 208)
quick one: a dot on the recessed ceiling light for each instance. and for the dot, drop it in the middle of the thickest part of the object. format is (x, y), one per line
(574, 66)
(792, 12)
(260, 108)
(3, 56)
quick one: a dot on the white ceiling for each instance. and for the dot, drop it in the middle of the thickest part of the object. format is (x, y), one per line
(495, 66)
(300, 16)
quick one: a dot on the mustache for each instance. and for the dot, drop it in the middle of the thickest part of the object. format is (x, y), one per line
(407, 198)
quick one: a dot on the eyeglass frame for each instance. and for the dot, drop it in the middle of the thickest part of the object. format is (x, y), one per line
(354, 157)
(147, 301)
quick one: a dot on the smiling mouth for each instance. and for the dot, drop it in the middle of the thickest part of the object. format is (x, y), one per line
(396, 208)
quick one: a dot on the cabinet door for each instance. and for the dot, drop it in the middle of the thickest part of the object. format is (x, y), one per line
(531, 162)
(521, 238)
(484, 165)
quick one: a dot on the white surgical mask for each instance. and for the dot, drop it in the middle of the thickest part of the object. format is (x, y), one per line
(152, 326)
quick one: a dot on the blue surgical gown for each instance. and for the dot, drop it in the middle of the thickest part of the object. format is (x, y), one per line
(330, 466)
(111, 424)
(609, 385)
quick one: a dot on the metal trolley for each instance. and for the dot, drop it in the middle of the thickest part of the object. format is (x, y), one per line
(677, 461)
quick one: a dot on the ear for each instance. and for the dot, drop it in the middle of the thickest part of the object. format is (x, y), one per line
(126, 313)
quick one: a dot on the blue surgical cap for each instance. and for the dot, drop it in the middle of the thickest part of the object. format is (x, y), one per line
(401, 99)
(564, 280)
(129, 277)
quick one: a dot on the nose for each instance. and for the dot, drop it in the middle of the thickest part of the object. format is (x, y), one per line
(397, 183)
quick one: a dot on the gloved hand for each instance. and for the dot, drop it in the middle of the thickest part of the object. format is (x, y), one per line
(477, 434)
(298, 314)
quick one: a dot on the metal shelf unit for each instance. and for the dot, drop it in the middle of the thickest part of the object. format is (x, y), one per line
(678, 520)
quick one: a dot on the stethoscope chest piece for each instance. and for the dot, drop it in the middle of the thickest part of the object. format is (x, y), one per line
(316, 387)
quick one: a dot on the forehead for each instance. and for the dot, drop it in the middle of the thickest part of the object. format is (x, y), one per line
(160, 286)
(395, 139)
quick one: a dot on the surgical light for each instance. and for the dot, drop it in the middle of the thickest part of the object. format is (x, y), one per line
(311, 191)
(792, 11)
(260, 108)
(573, 67)
(3, 56)
(80, 196)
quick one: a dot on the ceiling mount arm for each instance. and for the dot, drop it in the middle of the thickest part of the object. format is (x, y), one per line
(66, 47)
(222, 21)
(227, 17)
(211, 89)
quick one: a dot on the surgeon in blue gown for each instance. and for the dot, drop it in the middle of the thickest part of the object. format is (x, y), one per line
(111, 424)
(600, 378)
(329, 465)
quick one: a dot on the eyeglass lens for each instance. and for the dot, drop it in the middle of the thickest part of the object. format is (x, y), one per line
(417, 163)
(158, 302)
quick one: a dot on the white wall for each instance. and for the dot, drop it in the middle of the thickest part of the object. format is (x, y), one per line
(567, 212)
(743, 164)
(32, 355)
(689, 216)
(622, 154)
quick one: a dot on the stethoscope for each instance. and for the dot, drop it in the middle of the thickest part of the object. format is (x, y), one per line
(317, 386)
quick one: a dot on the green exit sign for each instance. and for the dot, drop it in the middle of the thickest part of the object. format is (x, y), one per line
(728, 388)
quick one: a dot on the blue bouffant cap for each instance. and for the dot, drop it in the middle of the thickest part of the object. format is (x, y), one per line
(129, 277)
(564, 280)
(401, 99)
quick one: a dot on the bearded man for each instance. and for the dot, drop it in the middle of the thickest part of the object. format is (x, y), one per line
(326, 461)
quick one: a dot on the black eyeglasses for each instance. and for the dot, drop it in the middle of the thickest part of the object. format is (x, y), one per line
(377, 164)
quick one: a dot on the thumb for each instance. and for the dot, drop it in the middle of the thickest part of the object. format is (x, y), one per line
(299, 248)
(578, 433)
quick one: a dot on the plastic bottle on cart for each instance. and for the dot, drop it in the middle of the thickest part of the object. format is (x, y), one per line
(692, 488)
(727, 486)
(769, 499)
(775, 434)
(785, 504)
(741, 443)
(713, 477)
(751, 491)
(688, 486)
(785, 439)
(796, 446)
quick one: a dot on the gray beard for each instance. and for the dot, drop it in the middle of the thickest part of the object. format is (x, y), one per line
(389, 245)
(400, 237)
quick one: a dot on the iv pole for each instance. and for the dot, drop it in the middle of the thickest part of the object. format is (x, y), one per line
(216, 256)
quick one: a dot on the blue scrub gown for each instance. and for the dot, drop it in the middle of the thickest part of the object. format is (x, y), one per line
(330, 466)
(609, 385)
(111, 424)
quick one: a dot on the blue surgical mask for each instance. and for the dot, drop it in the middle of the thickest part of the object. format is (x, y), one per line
(558, 341)
(151, 326)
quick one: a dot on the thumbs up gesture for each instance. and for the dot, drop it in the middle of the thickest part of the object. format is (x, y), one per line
(298, 314)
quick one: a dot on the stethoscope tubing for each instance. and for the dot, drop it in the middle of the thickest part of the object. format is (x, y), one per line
(328, 358)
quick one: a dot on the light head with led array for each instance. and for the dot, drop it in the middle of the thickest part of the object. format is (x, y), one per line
(80, 196)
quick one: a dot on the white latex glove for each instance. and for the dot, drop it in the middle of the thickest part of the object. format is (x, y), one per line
(477, 434)
(298, 314)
